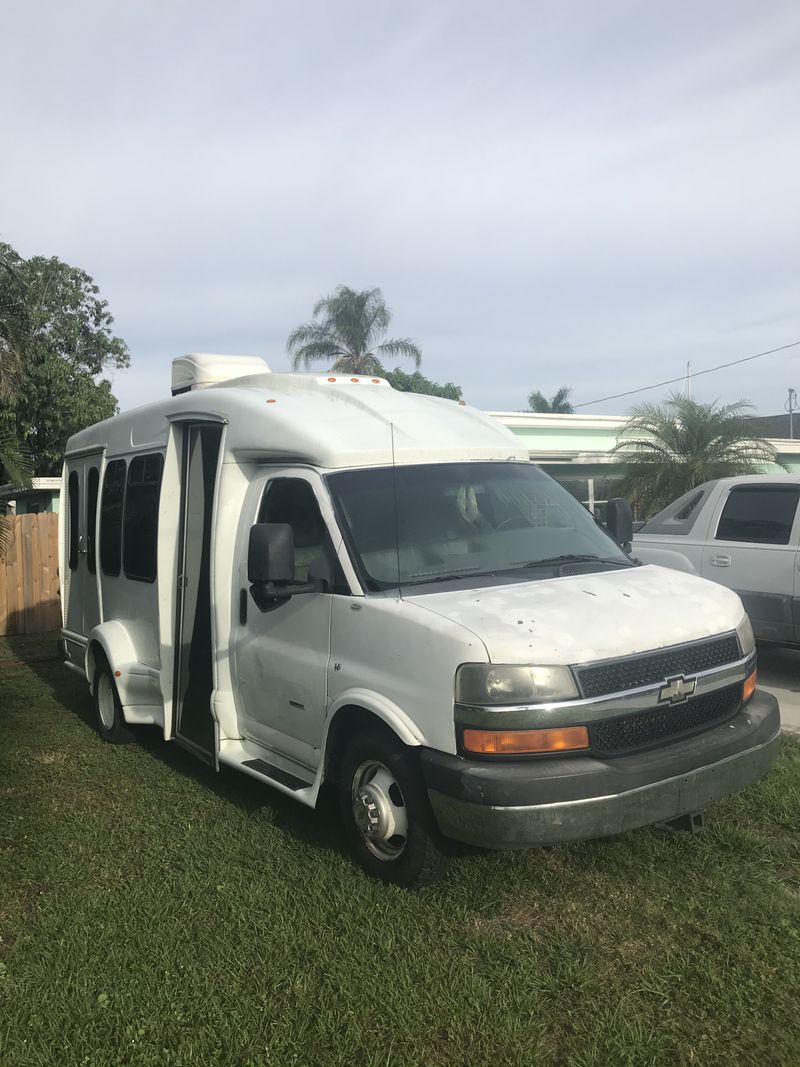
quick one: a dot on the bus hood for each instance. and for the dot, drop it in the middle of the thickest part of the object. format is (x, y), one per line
(581, 618)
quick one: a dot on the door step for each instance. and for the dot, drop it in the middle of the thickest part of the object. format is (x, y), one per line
(269, 770)
(271, 767)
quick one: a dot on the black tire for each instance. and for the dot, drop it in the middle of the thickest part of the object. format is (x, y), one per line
(107, 708)
(384, 774)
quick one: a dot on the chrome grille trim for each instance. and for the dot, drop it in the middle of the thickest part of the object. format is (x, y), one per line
(602, 677)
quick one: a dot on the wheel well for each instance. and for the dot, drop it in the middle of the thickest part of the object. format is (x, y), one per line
(347, 722)
(95, 654)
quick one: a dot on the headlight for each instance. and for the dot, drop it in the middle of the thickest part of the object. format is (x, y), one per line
(498, 683)
(744, 631)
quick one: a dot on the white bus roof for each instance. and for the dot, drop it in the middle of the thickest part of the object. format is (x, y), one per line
(331, 421)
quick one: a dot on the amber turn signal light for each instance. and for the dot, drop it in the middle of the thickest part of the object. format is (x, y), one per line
(749, 686)
(511, 742)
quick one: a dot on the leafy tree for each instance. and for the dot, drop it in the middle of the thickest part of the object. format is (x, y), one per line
(418, 383)
(670, 448)
(348, 328)
(558, 403)
(52, 316)
(14, 464)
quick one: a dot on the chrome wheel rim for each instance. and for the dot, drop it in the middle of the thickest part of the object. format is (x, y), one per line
(105, 701)
(379, 810)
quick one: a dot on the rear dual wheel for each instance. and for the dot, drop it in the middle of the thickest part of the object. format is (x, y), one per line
(387, 817)
(108, 709)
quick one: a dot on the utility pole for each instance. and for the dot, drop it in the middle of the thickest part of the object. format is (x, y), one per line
(791, 405)
(688, 388)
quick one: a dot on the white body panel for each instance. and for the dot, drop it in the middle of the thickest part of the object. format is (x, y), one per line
(581, 618)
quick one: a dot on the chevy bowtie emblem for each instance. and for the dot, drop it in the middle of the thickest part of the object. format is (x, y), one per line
(676, 690)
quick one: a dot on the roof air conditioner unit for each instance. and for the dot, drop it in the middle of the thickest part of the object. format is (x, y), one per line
(198, 370)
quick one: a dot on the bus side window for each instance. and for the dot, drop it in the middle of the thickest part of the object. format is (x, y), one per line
(111, 504)
(74, 518)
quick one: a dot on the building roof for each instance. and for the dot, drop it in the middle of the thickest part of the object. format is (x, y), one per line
(775, 426)
(38, 485)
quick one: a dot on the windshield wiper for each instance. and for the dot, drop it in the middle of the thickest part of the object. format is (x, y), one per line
(575, 558)
(415, 579)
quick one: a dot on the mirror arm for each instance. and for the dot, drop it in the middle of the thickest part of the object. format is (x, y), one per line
(269, 595)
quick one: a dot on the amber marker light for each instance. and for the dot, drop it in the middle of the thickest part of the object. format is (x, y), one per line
(749, 686)
(521, 742)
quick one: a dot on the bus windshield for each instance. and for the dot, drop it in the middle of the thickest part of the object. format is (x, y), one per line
(412, 525)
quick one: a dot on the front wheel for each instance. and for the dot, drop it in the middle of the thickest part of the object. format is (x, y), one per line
(387, 817)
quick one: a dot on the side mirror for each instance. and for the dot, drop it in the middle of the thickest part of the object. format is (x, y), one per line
(619, 520)
(270, 554)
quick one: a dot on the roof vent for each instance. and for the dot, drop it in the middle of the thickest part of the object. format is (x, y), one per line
(201, 369)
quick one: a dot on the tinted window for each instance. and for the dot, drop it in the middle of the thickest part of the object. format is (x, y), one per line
(292, 501)
(680, 516)
(111, 517)
(141, 517)
(92, 487)
(74, 516)
(762, 515)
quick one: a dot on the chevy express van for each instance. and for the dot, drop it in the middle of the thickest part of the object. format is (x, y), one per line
(319, 579)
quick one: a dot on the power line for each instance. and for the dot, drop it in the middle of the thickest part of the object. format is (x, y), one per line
(684, 377)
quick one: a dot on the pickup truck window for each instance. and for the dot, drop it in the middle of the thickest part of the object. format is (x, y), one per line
(759, 514)
(439, 522)
(679, 517)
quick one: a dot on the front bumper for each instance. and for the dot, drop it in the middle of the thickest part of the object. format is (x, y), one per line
(547, 801)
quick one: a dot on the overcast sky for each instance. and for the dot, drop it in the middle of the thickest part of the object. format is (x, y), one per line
(547, 193)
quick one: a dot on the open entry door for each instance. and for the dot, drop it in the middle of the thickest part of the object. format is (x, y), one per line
(194, 677)
(79, 583)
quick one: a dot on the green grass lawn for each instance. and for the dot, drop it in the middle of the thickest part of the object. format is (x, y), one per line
(154, 912)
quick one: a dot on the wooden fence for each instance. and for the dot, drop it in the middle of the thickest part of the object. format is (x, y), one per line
(29, 600)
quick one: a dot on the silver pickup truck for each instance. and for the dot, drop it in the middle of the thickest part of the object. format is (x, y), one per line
(740, 532)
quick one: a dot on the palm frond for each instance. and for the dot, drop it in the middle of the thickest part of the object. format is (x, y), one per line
(668, 449)
(6, 534)
(315, 352)
(399, 348)
(15, 461)
(366, 364)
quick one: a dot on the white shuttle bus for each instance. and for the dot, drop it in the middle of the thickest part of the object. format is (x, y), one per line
(319, 579)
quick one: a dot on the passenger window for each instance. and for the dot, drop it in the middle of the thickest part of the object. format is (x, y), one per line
(141, 517)
(759, 515)
(111, 517)
(292, 501)
(74, 519)
(92, 488)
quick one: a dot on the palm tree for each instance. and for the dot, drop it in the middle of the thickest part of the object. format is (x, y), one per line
(681, 444)
(348, 328)
(558, 402)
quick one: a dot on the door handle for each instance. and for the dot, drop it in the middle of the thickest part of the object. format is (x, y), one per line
(721, 560)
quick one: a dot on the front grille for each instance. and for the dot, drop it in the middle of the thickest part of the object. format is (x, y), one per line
(653, 667)
(644, 728)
